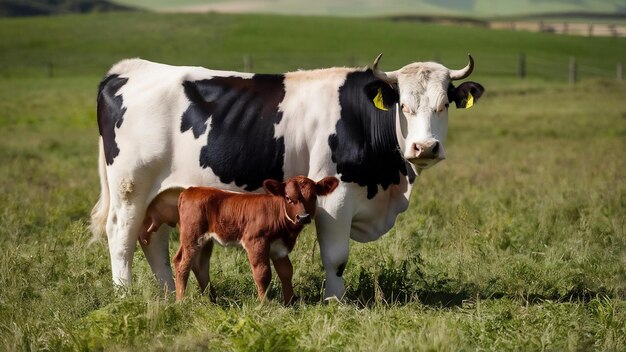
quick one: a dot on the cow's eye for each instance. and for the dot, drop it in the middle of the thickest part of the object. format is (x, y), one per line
(442, 105)
(289, 200)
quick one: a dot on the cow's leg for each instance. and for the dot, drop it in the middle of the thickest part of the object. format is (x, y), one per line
(158, 256)
(201, 265)
(334, 250)
(125, 221)
(333, 234)
(284, 270)
(122, 230)
(258, 255)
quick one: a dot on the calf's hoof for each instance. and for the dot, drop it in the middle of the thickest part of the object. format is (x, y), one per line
(293, 301)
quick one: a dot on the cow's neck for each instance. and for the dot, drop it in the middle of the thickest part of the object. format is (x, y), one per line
(365, 147)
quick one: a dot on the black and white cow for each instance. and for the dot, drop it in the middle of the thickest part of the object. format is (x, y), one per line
(164, 128)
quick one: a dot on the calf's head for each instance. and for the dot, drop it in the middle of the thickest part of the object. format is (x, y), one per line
(299, 195)
(425, 91)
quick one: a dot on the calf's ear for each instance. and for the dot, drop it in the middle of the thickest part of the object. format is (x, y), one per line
(466, 94)
(274, 187)
(326, 185)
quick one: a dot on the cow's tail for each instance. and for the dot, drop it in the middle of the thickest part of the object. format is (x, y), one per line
(100, 211)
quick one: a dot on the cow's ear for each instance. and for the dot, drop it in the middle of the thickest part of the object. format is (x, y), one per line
(466, 94)
(326, 185)
(381, 95)
(274, 187)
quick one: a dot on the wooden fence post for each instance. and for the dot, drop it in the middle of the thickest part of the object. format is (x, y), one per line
(521, 66)
(572, 70)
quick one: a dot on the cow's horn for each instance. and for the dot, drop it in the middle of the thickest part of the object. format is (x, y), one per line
(464, 72)
(389, 77)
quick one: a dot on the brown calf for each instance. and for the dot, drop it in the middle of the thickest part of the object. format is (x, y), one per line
(265, 225)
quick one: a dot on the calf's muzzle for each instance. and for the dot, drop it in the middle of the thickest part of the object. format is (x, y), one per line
(303, 218)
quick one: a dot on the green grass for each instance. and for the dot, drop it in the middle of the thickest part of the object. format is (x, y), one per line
(515, 242)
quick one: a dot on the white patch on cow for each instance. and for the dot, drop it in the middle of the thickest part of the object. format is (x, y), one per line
(212, 236)
(374, 217)
(310, 113)
(278, 249)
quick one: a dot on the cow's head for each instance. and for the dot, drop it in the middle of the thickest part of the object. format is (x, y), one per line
(300, 195)
(425, 91)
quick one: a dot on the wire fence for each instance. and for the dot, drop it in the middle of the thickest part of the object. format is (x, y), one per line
(494, 65)
(571, 69)
(565, 28)
(565, 69)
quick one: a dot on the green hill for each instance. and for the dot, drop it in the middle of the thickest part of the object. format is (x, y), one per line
(88, 45)
(352, 8)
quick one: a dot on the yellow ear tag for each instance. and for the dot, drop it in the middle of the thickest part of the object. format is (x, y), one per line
(470, 100)
(378, 101)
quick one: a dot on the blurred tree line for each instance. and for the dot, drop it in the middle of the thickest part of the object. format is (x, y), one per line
(15, 8)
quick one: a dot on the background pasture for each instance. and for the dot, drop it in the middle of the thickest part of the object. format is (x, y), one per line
(344, 8)
(516, 241)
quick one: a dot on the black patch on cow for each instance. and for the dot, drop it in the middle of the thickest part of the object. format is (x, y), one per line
(243, 112)
(110, 114)
(365, 146)
(459, 94)
(198, 112)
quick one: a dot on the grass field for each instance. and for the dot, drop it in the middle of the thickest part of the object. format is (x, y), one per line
(515, 242)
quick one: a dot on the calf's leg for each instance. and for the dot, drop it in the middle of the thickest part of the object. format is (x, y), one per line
(182, 267)
(284, 270)
(258, 255)
(201, 265)
(184, 258)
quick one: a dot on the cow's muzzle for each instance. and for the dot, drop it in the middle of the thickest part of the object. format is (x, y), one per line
(425, 155)
(426, 150)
